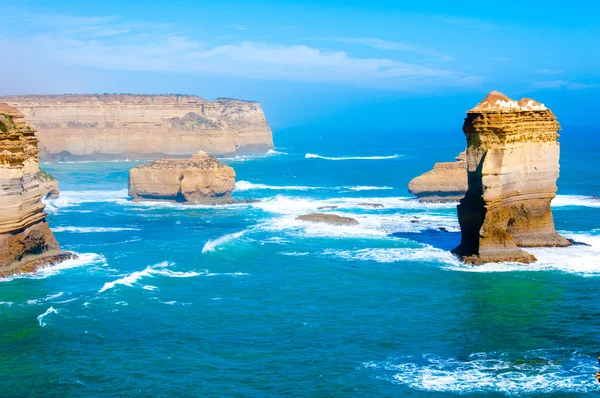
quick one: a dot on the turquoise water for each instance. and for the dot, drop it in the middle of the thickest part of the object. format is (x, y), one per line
(174, 300)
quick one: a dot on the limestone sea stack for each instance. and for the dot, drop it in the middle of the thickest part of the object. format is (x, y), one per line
(142, 127)
(324, 218)
(447, 182)
(26, 242)
(202, 179)
(512, 164)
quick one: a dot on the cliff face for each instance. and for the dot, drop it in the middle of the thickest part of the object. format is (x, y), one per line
(512, 163)
(447, 182)
(200, 179)
(112, 127)
(26, 242)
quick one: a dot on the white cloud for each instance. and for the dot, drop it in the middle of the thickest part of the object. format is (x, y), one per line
(107, 43)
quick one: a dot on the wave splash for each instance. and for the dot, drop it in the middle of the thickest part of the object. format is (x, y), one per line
(83, 259)
(150, 271)
(315, 156)
(41, 317)
(212, 244)
(540, 371)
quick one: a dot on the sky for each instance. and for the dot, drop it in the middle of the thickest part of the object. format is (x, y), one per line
(395, 65)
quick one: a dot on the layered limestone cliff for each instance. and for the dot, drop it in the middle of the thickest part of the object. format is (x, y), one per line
(118, 127)
(201, 179)
(512, 164)
(26, 242)
(447, 182)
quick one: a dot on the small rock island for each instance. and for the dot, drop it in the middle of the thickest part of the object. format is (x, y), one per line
(512, 164)
(447, 182)
(26, 242)
(202, 179)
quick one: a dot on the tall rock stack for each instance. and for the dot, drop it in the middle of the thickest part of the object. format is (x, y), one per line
(26, 242)
(512, 164)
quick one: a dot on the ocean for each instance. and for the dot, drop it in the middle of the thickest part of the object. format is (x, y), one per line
(243, 300)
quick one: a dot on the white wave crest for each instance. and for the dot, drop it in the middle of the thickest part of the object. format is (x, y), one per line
(367, 188)
(212, 244)
(75, 198)
(315, 156)
(83, 259)
(392, 255)
(150, 271)
(85, 230)
(246, 186)
(539, 372)
(282, 204)
(577, 259)
(274, 152)
(41, 317)
(575, 200)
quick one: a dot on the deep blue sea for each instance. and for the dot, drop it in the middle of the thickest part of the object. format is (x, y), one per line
(172, 300)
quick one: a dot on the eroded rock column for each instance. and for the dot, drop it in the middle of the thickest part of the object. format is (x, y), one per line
(512, 165)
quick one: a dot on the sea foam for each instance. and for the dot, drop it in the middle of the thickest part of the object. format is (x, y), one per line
(83, 259)
(41, 317)
(159, 269)
(212, 244)
(540, 371)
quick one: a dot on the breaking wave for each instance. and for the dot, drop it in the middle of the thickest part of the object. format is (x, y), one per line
(159, 269)
(41, 317)
(540, 371)
(75, 198)
(212, 244)
(315, 156)
(246, 186)
(575, 200)
(367, 188)
(83, 259)
(577, 259)
(392, 255)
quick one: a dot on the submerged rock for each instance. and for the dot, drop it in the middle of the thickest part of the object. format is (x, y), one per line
(373, 205)
(447, 182)
(332, 219)
(202, 179)
(26, 242)
(512, 163)
(327, 207)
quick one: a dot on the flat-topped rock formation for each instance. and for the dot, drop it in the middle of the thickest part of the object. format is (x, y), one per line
(331, 219)
(447, 182)
(202, 179)
(512, 163)
(119, 127)
(26, 242)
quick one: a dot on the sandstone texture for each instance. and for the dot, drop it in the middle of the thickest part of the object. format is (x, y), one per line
(48, 185)
(447, 182)
(331, 219)
(513, 165)
(26, 242)
(141, 127)
(202, 179)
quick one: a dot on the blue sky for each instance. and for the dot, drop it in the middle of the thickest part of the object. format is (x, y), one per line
(339, 63)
